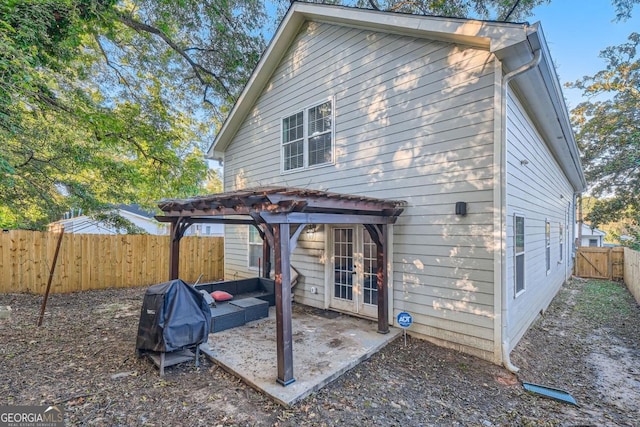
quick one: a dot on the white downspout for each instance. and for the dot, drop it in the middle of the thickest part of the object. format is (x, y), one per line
(506, 359)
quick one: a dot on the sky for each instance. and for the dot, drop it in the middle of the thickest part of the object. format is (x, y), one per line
(576, 32)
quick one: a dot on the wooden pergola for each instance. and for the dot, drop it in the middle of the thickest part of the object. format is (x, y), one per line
(280, 214)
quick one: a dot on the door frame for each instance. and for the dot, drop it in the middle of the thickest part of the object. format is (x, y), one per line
(329, 271)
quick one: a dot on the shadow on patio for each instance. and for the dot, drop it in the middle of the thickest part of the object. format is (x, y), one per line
(325, 345)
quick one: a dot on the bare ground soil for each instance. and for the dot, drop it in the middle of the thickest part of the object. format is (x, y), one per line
(83, 359)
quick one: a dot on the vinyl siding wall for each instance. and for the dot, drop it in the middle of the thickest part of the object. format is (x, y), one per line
(413, 121)
(538, 190)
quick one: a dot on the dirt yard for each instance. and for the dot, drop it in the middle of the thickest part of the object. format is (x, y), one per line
(83, 358)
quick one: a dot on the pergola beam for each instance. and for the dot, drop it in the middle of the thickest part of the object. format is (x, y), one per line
(207, 220)
(325, 218)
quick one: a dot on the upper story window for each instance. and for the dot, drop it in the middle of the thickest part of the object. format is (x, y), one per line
(307, 137)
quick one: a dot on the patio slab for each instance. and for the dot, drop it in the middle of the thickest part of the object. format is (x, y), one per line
(326, 344)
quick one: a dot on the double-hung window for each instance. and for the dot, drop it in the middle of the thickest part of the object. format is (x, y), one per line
(547, 240)
(307, 137)
(561, 235)
(519, 253)
(255, 248)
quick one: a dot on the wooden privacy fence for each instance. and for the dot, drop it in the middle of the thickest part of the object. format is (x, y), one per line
(99, 261)
(632, 272)
(600, 263)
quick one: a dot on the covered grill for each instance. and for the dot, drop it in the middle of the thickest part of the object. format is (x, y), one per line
(174, 317)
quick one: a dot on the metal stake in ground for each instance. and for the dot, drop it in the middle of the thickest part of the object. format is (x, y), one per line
(53, 269)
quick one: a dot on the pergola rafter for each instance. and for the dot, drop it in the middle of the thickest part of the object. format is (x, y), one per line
(275, 212)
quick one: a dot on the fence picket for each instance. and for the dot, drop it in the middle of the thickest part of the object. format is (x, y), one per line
(632, 272)
(99, 261)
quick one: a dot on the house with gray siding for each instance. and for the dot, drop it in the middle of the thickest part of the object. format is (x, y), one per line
(464, 120)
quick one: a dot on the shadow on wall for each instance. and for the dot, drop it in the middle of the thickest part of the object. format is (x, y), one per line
(413, 121)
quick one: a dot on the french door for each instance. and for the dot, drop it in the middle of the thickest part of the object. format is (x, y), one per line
(354, 286)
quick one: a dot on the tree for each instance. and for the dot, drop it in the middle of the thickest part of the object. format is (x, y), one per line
(607, 131)
(99, 99)
(501, 10)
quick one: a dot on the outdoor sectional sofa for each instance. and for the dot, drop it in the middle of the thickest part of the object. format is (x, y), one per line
(251, 300)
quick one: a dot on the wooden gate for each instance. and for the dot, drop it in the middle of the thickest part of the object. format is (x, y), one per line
(600, 263)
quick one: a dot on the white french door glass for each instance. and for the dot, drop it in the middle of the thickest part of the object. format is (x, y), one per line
(355, 264)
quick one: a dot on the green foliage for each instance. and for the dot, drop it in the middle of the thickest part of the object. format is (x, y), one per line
(607, 131)
(624, 8)
(105, 102)
(604, 302)
(501, 10)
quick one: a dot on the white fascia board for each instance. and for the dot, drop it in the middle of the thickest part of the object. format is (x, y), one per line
(483, 34)
(493, 36)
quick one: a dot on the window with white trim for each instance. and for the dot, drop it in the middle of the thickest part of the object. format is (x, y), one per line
(547, 241)
(255, 247)
(561, 235)
(307, 137)
(518, 225)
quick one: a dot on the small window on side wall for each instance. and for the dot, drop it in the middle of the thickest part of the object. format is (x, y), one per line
(255, 248)
(561, 236)
(519, 253)
(547, 240)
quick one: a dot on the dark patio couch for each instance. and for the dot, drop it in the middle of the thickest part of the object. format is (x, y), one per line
(251, 301)
(255, 287)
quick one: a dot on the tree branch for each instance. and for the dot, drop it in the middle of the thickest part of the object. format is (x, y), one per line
(25, 163)
(515, 4)
(198, 69)
(121, 77)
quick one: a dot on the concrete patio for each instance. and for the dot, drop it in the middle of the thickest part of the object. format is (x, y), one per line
(325, 345)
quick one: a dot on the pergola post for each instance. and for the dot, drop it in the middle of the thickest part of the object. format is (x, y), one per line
(378, 234)
(174, 251)
(266, 257)
(284, 334)
(178, 227)
(383, 297)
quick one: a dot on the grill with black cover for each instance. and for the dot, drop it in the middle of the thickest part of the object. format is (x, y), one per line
(174, 317)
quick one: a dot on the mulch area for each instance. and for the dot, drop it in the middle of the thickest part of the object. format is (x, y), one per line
(83, 359)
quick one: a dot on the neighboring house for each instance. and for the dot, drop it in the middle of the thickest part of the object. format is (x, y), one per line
(464, 120)
(205, 230)
(84, 224)
(591, 236)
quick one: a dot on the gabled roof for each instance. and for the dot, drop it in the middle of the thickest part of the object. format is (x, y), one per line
(137, 210)
(513, 44)
(587, 230)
